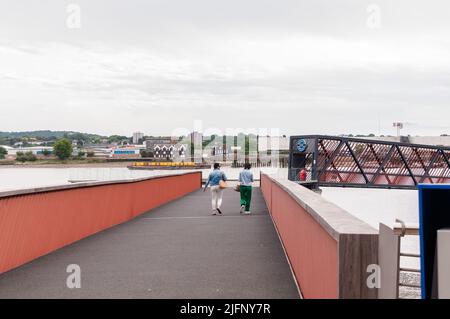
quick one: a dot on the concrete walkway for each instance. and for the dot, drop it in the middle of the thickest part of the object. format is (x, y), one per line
(175, 251)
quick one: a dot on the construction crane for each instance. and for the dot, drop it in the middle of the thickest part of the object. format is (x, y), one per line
(399, 126)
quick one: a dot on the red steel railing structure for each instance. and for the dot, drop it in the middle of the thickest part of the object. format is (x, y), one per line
(353, 162)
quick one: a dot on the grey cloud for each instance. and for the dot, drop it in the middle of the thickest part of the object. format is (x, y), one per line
(303, 66)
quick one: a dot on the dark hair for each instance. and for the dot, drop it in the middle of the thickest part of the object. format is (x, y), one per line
(216, 165)
(247, 166)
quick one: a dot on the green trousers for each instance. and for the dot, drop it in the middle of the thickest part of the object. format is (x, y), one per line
(246, 196)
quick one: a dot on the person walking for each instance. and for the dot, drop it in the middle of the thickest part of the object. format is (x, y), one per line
(245, 188)
(214, 180)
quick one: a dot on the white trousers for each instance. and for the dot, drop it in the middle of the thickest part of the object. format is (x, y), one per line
(216, 196)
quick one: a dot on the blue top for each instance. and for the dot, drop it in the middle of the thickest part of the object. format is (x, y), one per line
(215, 177)
(246, 177)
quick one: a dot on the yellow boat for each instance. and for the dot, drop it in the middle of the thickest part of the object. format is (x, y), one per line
(168, 165)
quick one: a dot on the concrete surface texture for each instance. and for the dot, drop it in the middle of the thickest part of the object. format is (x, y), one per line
(175, 251)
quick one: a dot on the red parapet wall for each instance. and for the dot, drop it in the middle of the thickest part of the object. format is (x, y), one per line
(312, 252)
(327, 261)
(35, 224)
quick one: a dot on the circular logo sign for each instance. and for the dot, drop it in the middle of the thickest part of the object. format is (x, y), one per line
(301, 145)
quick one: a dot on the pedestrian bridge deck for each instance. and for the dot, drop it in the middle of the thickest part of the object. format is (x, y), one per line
(175, 251)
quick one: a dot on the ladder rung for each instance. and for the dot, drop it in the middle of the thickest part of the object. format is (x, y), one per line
(410, 270)
(410, 285)
(409, 255)
(411, 231)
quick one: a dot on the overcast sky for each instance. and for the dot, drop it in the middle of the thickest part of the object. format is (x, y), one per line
(328, 67)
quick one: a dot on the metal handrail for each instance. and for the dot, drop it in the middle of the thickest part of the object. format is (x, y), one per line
(402, 230)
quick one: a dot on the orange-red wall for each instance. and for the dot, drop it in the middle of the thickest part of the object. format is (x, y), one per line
(33, 225)
(312, 252)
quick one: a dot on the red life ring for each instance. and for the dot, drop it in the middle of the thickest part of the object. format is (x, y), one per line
(302, 175)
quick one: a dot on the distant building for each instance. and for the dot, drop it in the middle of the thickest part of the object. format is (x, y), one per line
(166, 148)
(170, 151)
(36, 150)
(151, 142)
(126, 152)
(98, 150)
(196, 137)
(196, 140)
(221, 152)
(138, 137)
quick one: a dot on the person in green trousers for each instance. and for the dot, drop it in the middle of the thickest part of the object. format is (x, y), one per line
(245, 188)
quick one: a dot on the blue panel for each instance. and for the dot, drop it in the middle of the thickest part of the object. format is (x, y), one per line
(434, 214)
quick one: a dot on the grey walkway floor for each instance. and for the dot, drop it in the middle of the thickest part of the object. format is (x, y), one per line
(175, 251)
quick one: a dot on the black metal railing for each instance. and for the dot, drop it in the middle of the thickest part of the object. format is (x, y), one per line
(340, 161)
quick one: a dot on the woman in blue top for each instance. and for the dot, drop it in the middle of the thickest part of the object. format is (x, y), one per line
(214, 179)
(245, 188)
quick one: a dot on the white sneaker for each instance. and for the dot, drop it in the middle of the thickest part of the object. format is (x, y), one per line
(214, 212)
(247, 213)
(242, 209)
